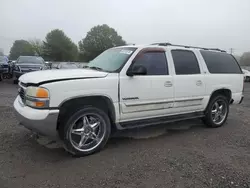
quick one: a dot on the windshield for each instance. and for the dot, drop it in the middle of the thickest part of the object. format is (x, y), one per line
(30, 59)
(112, 59)
(2, 58)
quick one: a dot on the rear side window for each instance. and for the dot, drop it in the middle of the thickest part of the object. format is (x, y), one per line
(220, 63)
(185, 62)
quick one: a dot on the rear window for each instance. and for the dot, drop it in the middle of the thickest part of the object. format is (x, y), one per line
(220, 63)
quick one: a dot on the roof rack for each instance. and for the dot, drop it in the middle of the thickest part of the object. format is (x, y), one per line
(185, 46)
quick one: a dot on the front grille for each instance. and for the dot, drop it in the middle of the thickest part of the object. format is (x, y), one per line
(27, 69)
(21, 93)
(30, 68)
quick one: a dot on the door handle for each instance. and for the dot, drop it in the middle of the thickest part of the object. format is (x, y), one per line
(199, 83)
(168, 84)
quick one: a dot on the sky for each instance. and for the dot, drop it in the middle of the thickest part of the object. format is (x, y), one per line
(222, 24)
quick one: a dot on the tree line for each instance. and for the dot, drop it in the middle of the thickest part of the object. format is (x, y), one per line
(57, 46)
(245, 59)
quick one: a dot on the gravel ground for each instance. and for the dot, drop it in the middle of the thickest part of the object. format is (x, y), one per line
(179, 155)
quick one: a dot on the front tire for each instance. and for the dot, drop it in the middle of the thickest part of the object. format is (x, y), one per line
(217, 111)
(86, 131)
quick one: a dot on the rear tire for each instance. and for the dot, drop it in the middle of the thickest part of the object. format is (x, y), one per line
(217, 111)
(85, 131)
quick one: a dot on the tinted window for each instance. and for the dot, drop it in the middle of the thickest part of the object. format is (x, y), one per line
(154, 62)
(185, 62)
(218, 62)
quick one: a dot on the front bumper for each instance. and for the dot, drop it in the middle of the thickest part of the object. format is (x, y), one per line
(43, 122)
(241, 99)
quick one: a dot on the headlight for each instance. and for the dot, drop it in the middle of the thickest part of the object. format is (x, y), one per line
(37, 97)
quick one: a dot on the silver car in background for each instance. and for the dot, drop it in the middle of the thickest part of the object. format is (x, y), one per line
(67, 65)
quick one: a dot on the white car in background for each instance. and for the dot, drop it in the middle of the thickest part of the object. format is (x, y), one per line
(246, 75)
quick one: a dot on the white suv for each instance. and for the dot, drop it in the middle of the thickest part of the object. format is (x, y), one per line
(128, 87)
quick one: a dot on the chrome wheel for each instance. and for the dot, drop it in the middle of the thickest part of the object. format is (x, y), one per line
(87, 132)
(219, 111)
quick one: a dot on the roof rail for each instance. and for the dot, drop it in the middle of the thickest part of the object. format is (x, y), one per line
(185, 46)
(162, 44)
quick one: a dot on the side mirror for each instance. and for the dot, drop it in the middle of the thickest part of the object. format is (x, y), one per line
(137, 70)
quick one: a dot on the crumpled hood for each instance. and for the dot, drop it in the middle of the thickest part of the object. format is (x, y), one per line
(57, 75)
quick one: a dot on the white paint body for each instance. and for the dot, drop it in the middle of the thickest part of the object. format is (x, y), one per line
(154, 97)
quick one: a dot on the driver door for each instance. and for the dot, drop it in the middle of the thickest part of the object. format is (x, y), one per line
(148, 95)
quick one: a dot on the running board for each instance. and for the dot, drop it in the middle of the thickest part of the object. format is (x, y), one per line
(159, 120)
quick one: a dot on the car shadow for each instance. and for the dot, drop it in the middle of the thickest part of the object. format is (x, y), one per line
(119, 140)
(154, 132)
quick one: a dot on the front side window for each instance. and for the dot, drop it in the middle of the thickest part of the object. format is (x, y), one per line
(112, 59)
(154, 62)
(185, 62)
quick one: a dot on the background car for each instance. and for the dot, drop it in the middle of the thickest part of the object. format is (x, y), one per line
(48, 64)
(246, 75)
(25, 64)
(4, 67)
(67, 65)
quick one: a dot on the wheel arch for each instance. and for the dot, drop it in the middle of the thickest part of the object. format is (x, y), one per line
(100, 101)
(222, 91)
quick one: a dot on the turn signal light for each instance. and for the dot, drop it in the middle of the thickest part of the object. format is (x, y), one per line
(42, 93)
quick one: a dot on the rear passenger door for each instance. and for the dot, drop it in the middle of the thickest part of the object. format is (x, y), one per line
(189, 87)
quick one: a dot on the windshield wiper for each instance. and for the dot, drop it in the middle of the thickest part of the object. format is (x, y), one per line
(95, 68)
